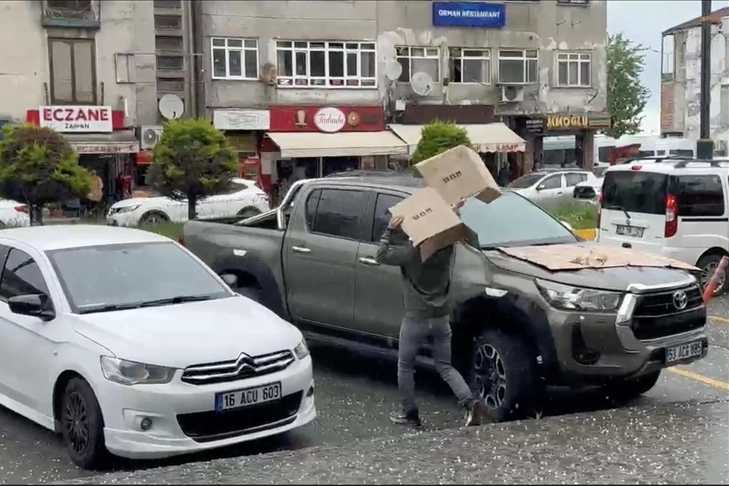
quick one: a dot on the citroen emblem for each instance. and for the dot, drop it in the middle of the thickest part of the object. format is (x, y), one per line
(680, 300)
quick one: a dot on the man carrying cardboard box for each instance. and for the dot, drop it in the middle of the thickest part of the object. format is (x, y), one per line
(428, 305)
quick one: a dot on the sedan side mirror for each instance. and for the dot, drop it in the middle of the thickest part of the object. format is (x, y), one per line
(230, 280)
(540, 187)
(36, 305)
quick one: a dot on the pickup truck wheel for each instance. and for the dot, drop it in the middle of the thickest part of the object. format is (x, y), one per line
(252, 292)
(633, 387)
(504, 375)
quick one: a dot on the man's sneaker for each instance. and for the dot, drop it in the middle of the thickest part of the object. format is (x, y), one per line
(476, 413)
(406, 418)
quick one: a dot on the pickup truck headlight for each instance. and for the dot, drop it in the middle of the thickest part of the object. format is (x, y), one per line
(301, 350)
(125, 209)
(132, 373)
(567, 297)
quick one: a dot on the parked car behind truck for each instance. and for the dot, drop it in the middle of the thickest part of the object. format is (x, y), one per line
(518, 327)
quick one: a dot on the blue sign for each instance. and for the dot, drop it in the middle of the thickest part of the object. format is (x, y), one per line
(469, 14)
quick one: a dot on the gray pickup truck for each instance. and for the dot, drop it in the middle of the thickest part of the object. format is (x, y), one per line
(518, 326)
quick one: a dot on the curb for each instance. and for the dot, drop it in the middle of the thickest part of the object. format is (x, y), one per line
(586, 234)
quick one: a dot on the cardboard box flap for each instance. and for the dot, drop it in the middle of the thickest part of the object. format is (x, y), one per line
(576, 256)
(459, 173)
(429, 221)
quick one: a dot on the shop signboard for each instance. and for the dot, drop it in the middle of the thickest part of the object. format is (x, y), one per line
(327, 119)
(584, 121)
(484, 15)
(76, 119)
(241, 119)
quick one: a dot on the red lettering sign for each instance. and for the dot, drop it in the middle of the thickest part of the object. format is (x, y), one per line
(76, 118)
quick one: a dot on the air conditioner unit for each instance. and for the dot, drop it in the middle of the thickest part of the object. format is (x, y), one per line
(512, 94)
(150, 136)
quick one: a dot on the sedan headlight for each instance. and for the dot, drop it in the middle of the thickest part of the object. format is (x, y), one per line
(301, 350)
(132, 373)
(567, 297)
(126, 209)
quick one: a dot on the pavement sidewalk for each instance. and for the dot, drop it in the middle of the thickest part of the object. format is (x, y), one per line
(679, 443)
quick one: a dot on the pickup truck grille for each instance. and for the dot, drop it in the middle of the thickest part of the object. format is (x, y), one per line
(243, 367)
(656, 316)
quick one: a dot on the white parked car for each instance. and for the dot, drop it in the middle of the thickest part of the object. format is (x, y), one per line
(588, 191)
(123, 341)
(549, 186)
(13, 213)
(243, 198)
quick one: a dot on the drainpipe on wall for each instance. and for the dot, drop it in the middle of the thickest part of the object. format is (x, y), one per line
(198, 72)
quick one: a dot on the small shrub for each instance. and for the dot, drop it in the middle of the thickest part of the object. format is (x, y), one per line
(580, 215)
(437, 137)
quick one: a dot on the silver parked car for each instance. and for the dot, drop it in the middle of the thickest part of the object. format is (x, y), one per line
(545, 186)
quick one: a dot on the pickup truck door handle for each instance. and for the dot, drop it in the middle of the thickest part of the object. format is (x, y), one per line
(368, 261)
(300, 249)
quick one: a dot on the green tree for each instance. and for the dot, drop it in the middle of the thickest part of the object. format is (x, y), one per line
(437, 137)
(192, 160)
(626, 96)
(37, 167)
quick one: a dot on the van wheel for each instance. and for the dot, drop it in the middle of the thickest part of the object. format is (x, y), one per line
(504, 375)
(633, 387)
(708, 264)
(82, 425)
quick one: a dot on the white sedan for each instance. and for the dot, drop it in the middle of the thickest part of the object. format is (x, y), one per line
(13, 213)
(123, 341)
(588, 191)
(550, 186)
(243, 198)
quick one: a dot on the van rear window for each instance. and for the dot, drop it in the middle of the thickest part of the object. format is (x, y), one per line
(635, 191)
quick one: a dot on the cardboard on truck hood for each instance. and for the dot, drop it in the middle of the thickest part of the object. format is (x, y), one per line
(459, 173)
(576, 256)
(429, 221)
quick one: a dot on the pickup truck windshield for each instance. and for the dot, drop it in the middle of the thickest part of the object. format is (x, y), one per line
(127, 276)
(512, 220)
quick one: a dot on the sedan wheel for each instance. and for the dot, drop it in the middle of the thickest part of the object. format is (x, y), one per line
(82, 424)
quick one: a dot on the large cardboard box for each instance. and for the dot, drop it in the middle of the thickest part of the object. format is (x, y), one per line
(459, 173)
(429, 221)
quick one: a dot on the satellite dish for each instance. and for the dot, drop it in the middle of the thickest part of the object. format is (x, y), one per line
(171, 106)
(393, 70)
(421, 83)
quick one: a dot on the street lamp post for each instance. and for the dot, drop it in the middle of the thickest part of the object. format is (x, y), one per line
(705, 146)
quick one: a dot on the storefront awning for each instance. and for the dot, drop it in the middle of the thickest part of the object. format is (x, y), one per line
(120, 142)
(342, 144)
(488, 137)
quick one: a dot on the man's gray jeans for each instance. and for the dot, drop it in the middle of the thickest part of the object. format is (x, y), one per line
(414, 332)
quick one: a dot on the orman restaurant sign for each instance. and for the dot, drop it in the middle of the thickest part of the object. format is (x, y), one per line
(469, 14)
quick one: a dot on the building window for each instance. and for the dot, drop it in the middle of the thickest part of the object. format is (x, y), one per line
(73, 71)
(419, 59)
(573, 2)
(470, 66)
(518, 66)
(319, 64)
(234, 58)
(573, 69)
(73, 5)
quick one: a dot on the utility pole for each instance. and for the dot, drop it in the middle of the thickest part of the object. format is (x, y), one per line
(705, 146)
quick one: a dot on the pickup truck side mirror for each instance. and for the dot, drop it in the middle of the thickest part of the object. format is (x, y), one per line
(230, 280)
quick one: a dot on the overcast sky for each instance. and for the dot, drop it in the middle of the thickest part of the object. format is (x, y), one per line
(643, 22)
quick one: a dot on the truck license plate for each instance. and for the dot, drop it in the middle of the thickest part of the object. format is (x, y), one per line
(248, 396)
(629, 231)
(683, 352)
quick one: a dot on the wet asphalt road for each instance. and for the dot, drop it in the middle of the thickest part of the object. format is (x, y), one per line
(354, 402)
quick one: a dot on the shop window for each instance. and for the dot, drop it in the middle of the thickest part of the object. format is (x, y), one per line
(518, 66)
(470, 66)
(303, 64)
(339, 213)
(419, 59)
(73, 71)
(573, 69)
(234, 58)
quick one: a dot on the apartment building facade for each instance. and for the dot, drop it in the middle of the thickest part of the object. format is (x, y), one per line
(681, 80)
(280, 67)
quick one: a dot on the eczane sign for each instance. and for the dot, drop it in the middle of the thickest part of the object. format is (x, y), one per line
(76, 119)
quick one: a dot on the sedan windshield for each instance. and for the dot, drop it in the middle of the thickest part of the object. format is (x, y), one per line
(127, 276)
(526, 181)
(512, 220)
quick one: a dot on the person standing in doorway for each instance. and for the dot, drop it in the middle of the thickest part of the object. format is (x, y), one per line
(97, 193)
(428, 305)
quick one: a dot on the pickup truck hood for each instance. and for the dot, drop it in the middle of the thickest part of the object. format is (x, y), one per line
(615, 278)
(191, 333)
